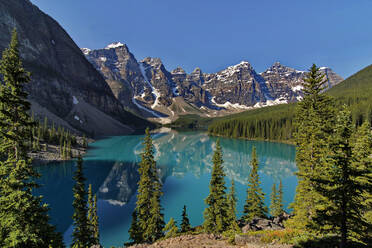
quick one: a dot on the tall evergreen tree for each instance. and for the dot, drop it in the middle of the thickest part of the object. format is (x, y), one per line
(276, 204)
(314, 124)
(362, 150)
(23, 218)
(215, 215)
(273, 201)
(343, 183)
(254, 204)
(185, 224)
(93, 217)
(231, 202)
(135, 230)
(148, 207)
(81, 234)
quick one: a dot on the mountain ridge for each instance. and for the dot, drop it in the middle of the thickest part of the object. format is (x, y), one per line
(153, 92)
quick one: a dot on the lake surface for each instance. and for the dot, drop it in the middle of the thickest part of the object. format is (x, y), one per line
(184, 162)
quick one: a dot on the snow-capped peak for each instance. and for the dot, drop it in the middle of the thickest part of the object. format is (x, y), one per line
(114, 45)
(86, 51)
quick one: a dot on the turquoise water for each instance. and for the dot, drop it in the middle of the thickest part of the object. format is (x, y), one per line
(184, 162)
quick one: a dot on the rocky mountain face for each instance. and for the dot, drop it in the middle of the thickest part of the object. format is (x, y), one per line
(149, 89)
(65, 87)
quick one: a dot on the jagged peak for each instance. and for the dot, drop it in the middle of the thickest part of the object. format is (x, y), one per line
(115, 45)
(178, 70)
(152, 61)
(85, 50)
(242, 64)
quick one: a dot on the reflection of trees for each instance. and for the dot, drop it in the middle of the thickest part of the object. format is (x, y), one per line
(111, 166)
(180, 153)
(56, 182)
(192, 152)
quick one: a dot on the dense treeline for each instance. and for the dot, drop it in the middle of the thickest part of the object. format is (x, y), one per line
(276, 122)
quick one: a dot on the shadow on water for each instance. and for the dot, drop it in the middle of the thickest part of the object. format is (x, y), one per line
(184, 163)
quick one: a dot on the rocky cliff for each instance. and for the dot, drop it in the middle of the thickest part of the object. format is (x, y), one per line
(65, 87)
(152, 91)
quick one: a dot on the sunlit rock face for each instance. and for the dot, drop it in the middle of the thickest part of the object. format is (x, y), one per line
(149, 89)
(65, 87)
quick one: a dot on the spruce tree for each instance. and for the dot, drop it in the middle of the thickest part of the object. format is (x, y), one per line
(23, 218)
(254, 203)
(273, 201)
(215, 215)
(81, 234)
(362, 150)
(185, 224)
(280, 198)
(148, 207)
(135, 230)
(276, 204)
(313, 124)
(170, 229)
(231, 201)
(343, 183)
(93, 217)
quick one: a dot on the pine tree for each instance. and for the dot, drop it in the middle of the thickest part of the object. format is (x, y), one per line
(170, 229)
(81, 234)
(215, 215)
(135, 230)
(273, 201)
(231, 201)
(148, 208)
(341, 183)
(314, 124)
(276, 204)
(185, 224)
(280, 198)
(362, 150)
(23, 218)
(93, 217)
(254, 204)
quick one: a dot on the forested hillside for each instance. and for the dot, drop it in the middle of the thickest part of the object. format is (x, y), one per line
(275, 123)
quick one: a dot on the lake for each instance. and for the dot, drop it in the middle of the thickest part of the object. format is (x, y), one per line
(184, 162)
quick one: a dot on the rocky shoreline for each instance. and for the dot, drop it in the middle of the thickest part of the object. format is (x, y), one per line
(50, 153)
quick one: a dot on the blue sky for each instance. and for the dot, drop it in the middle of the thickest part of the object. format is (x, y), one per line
(213, 34)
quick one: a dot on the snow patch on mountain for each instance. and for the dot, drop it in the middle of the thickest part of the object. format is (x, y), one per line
(230, 105)
(75, 100)
(114, 45)
(297, 88)
(86, 51)
(153, 90)
(134, 100)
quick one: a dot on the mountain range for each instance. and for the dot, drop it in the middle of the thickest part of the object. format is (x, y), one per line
(147, 88)
(109, 92)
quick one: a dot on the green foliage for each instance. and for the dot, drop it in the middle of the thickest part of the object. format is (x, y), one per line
(314, 125)
(276, 122)
(254, 203)
(24, 220)
(170, 229)
(185, 224)
(231, 211)
(276, 205)
(345, 183)
(135, 230)
(150, 219)
(81, 234)
(270, 123)
(93, 217)
(215, 215)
